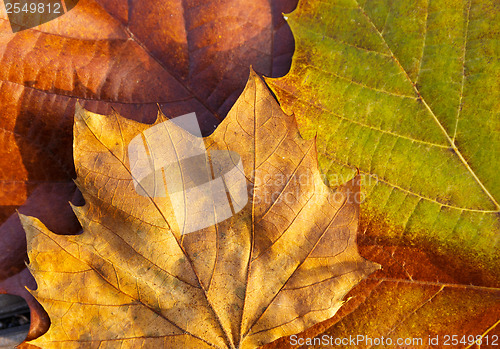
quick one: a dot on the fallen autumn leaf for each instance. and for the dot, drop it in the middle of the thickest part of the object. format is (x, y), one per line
(273, 269)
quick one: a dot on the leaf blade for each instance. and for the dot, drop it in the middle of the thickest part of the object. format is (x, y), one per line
(206, 283)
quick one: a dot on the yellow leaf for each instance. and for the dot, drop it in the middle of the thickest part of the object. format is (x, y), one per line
(134, 278)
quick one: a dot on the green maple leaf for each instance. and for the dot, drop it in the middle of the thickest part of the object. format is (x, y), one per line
(408, 93)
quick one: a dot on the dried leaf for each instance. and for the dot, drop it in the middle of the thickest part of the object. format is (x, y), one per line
(280, 265)
(49, 202)
(129, 55)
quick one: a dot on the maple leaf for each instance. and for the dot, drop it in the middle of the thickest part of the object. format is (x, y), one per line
(280, 265)
(407, 93)
(129, 56)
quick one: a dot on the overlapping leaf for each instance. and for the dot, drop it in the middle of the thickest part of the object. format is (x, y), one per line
(280, 265)
(128, 55)
(408, 93)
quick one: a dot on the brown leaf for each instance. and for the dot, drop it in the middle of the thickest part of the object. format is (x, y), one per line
(129, 55)
(281, 264)
(415, 295)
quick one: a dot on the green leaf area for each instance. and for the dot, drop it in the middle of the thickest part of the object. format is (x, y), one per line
(408, 92)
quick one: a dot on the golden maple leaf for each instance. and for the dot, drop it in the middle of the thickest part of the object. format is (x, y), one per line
(134, 279)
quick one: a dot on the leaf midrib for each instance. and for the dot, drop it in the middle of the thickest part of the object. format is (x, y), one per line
(227, 338)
